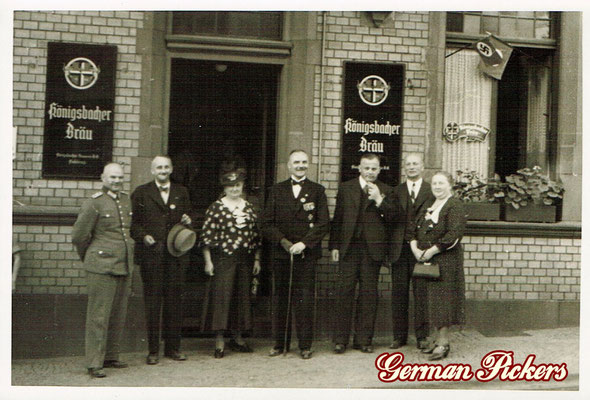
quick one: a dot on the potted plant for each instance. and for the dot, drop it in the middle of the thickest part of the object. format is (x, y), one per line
(532, 196)
(482, 198)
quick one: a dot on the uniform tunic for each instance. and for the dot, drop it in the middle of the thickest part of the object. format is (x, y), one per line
(446, 298)
(101, 237)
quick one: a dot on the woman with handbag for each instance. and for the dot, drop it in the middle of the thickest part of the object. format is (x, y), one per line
(437, 243)
(231, 244)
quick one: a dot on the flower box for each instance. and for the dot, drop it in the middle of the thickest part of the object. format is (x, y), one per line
(479, 211)
(531, 213)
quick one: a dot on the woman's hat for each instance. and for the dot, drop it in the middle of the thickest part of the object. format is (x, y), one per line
(180, 240)
(232, 177)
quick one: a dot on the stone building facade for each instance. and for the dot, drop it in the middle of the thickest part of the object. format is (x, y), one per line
(531, 272)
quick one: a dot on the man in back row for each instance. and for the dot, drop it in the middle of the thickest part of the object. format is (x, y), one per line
(401, 208)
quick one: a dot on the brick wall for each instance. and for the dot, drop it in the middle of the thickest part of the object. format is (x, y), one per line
(49, 263)
(32, 31)
(522, 268)
(495, 267)
(351, 37)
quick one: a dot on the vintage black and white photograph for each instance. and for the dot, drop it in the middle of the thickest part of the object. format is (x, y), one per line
(272, 198)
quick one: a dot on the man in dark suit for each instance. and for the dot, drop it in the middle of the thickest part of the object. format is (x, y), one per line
(157, 207)
(294, 221)
(359, 243)
(101, 238)
(408, 200)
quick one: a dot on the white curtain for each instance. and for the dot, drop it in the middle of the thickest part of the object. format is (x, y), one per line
(468, 97)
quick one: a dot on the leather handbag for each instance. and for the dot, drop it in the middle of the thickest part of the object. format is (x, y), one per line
(426, 270)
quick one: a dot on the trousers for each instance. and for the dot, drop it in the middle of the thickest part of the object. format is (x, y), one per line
(106, 312)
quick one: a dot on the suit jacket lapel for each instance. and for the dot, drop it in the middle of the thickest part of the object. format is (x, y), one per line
(291, 201)
(155, 194)
(404, 197)
(422, 195)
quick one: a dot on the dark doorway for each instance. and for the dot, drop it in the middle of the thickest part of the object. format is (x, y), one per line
(222, 114)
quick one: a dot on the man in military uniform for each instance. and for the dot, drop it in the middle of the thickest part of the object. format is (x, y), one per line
(101, 237)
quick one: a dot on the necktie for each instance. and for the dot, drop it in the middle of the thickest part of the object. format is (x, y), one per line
(163, 189)
(366, 189)
(413, 192)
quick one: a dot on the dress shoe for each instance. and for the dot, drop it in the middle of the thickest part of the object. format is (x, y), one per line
(429, 349)
(422, 344)
(242, 348)
(305, 354)
(96, 372)
(114, 364)
(339, 348)
(367, 349)
(152, 359)
(396, 344)
(175, 355)
(440, 352)
(218, 353)
(275, 352)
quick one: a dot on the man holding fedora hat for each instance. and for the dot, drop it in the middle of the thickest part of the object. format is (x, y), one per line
(160, 229)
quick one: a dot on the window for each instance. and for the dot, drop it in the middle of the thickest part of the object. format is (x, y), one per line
(516, 109)
(260, 25)
(522, 24)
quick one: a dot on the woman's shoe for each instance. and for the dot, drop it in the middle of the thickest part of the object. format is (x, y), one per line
(218, 353)
(242, 348)
(429, 348)
(440, 352)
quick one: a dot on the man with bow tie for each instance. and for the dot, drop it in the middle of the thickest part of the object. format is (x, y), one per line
(359, 243)
(401, 209)
(158, 206)
(294, 221)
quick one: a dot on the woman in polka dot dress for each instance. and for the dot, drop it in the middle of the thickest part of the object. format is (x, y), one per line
(231, 242)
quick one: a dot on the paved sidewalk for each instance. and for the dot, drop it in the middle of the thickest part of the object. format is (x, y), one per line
(352, 369)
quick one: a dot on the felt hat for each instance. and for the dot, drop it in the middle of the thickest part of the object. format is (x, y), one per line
(180, 240)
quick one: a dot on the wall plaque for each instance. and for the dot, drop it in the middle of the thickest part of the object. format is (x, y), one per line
(79, 110)
(372, 118)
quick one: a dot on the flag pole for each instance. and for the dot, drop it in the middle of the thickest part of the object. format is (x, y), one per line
(468, 45)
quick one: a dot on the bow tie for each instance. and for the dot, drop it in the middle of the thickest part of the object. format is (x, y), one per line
(163, 189)
(300, 183)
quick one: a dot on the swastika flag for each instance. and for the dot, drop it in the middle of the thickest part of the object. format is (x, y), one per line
(494, 55)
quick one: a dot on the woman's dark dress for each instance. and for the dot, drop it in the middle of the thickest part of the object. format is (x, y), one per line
(446, 298)
(232, 244)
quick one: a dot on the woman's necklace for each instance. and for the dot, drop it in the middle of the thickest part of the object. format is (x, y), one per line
(232, 204)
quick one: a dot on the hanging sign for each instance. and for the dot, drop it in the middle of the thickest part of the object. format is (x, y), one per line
(79, 110)
(372, 118)
(469, 131)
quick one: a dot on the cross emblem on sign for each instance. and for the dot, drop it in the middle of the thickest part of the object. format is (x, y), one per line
(451, 132)
(373, 90)
(81, 73)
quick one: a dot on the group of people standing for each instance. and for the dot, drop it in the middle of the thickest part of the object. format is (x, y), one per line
(373, 225)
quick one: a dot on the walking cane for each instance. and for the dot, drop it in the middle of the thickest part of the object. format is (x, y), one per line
(288, 304)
